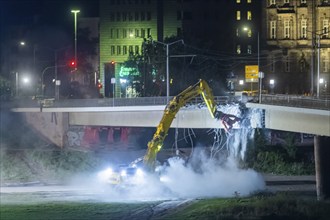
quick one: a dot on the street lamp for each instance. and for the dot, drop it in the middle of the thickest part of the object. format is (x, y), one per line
(75, 12)
(167, 65)
(260, 74)
(272, 85)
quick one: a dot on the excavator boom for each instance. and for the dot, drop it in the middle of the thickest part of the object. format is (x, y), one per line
(172, 108)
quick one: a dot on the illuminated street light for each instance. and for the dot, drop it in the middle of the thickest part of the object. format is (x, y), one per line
(241, 82)
(272, 85)
(260, 74)
(75, 12)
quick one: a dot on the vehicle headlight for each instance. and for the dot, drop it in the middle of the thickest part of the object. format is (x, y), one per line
(123, 173)
(139, 172)
(105, 174)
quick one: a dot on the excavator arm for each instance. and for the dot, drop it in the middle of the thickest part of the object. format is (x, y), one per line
(172, 108)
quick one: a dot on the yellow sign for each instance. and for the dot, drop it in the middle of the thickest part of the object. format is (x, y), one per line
(251, 73)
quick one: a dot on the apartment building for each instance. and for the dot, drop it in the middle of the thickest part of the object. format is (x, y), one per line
(215, 27)
(298, 45)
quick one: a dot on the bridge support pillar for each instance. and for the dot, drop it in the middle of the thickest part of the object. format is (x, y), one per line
(322, 166)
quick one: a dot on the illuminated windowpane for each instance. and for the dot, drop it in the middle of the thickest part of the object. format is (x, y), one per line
(272, 2)
(238, 1)
(249, 1)
(238, 49)
(249, 15)
(238, 15)
(304, 28)
(249, 33)
(272, 29)
(325, 28)
(286, 1)
(249, 49)
(287, 29)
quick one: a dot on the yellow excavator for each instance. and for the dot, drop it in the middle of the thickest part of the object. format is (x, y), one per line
(172, 108)
(123, 174)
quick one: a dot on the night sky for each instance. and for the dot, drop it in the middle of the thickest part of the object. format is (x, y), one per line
(52, 12)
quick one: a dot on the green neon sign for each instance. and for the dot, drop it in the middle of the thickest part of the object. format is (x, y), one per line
(128, 71)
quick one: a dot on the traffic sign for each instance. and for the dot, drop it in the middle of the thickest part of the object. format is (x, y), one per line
(251, 73)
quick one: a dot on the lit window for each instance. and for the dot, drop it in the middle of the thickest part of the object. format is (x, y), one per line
(325, 28)
(238, 15)
(249, 1)
(130, 33)
(286, 1)
(287, 29)
(272, 29)
(249, 15)
(249, 33)
(237, 33)
(238, 1)
(249, 49)
(272, 2)
(303, 1)
(303, 28)
(238, 49)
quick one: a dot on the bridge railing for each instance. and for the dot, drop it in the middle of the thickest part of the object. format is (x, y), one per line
(280, 100)
(296, 101)
(139, 101)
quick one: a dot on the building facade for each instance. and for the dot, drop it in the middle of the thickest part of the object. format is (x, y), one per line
(215, 27)
(298, 45)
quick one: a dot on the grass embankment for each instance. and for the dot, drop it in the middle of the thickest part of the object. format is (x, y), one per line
(46, 165)
(280, 206)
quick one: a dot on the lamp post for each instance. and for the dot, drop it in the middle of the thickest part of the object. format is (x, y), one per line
(167, 65)
(317, 35)
(75, 12)
(260, 74)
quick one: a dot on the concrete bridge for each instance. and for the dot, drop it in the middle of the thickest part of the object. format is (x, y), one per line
(286, 113)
